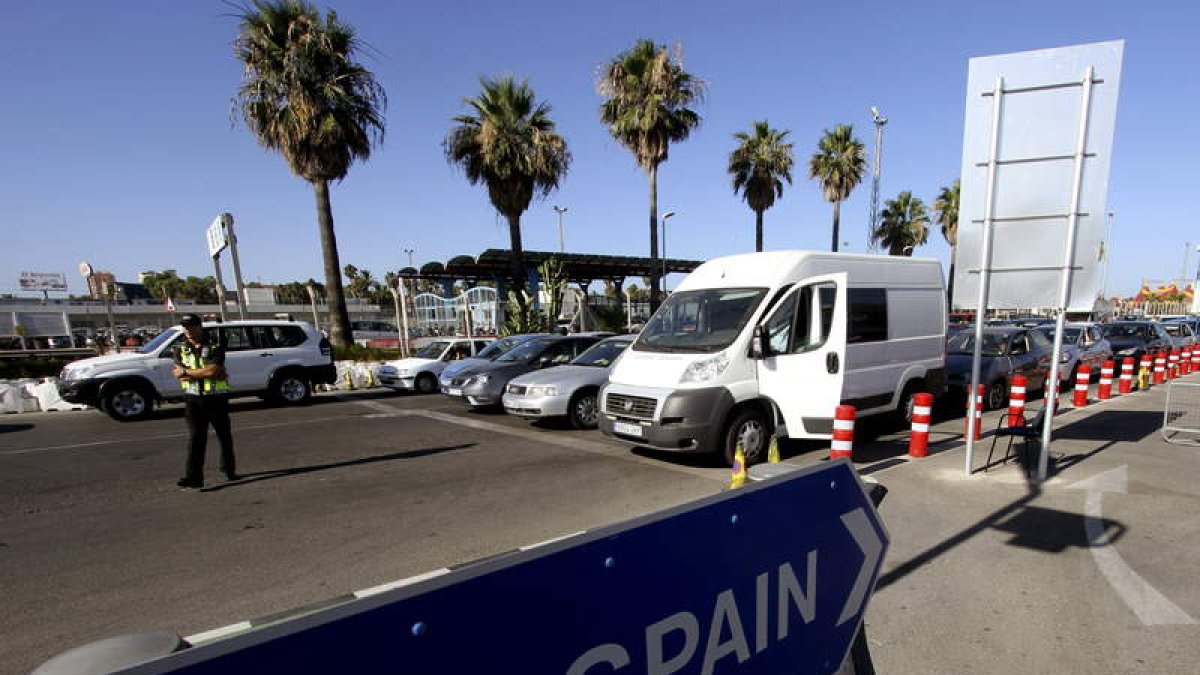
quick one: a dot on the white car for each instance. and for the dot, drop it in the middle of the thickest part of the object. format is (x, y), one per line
(420, 371)
(280, 360)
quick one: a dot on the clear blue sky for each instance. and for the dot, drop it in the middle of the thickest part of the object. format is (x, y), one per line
(118, 146)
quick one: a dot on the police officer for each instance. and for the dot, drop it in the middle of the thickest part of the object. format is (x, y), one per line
(200, 369)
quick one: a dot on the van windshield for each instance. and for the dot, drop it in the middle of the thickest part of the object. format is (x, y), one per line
(701, 321)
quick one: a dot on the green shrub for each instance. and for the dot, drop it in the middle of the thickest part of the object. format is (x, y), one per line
(361, 353)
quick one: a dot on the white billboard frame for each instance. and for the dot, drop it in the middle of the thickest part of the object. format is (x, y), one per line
(43, 281)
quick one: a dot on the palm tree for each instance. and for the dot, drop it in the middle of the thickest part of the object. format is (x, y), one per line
(304, 96)
(946, 207)
(508, 144)
(759, 165)
(646, 107)
(903, 225)
(838, 165)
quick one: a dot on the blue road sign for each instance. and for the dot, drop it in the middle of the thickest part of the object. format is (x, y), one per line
(771, 578)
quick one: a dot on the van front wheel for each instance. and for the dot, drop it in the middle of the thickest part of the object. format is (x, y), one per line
(750, 428)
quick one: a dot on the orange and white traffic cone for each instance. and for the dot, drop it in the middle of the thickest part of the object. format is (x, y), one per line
(1160, 368)
(738, 479)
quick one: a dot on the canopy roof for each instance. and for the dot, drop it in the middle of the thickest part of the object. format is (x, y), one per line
(577, 267)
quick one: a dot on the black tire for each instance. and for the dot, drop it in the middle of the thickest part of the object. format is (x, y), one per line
(290, 387)
(426, 383)
(584, 409)
(749, 424)
(996, 396)
(127, 401)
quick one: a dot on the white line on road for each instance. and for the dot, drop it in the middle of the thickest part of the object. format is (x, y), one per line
(218, 633)
(1150, 606)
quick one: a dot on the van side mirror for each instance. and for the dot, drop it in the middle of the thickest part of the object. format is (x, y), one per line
(760, 343)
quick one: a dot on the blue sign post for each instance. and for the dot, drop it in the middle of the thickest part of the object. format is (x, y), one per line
(772, 578)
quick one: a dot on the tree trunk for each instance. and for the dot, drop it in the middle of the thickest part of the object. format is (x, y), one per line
(758, 242)
(950, 284)
(656, 275)
(339, 319)
(517, 258)
(837, 217)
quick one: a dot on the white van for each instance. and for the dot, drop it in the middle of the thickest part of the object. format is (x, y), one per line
(762, 343)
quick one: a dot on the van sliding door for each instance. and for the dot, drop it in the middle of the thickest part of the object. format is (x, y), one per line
(803, 371)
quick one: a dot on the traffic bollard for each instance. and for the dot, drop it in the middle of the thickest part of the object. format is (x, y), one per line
(1172, 364)
(975, 409)
(1144, 378)
(1104, 391)
(1126, 384)
(1160, 368)
(843, 433)
(1083, 379)
(1016, 401)
(918, 437)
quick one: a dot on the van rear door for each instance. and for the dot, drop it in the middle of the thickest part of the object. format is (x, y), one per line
(803, 369)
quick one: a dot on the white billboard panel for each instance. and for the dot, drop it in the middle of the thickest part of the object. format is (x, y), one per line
(217, 236)
(1033, 178)
(43, 281)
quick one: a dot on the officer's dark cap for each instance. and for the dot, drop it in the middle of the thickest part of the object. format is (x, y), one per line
(190, 320)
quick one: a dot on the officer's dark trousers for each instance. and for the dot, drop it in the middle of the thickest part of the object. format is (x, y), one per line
(201, 412)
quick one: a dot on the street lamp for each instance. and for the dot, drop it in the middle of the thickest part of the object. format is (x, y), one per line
(665, 216)
(873, 222)
(409, 251)
(560, 210)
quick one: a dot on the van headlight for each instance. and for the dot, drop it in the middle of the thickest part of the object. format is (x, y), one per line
(705, 369)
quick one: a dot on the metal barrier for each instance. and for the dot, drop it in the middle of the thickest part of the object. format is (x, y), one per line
(1181, 414)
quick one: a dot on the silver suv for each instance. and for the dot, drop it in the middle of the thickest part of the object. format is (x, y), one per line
(278, 360)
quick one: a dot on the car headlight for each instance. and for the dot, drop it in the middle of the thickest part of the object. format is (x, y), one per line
(545, 390)
(1127, 352)
(480, 379)
(404, 372)
(705, 369)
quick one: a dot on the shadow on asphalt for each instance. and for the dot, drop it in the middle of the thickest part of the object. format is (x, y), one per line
(8, 428)
(248, 478)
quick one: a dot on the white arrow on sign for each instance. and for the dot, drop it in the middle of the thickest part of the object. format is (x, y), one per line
(868, 541)
(1150, 606)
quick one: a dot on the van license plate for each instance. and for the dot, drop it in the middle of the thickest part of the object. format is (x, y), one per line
(627, 429)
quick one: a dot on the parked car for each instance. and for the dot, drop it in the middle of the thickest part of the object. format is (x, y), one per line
(1006, 351)
(1134, 338)
(566, 391)
(752, 345)
(1192, 322)
(1083, 344)
(483, 385)
(279, 360)
(489, 353)
(1181, 334)
(420, 371)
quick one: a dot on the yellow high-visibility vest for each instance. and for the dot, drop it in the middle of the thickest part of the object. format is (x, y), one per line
(209, 385)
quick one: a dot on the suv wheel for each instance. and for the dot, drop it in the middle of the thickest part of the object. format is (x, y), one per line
(127, 401)
(291, 388)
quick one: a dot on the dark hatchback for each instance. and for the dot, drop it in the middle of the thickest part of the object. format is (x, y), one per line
(1006, 352)
(1134, 338)
(483, 385)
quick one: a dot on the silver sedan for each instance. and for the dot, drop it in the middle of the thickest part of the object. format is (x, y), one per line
(569, 390)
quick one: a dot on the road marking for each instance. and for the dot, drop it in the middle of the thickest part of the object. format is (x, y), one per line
(237, 428)
(383, 588)
(573, 443)
(218, 633)
(1150, 606)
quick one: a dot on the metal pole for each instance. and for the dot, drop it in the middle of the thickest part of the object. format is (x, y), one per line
(403, 318)
(1064, 295)
(108, 291)
(227, 221)
(873, 221)
(312, 299)
(985, 265)
(1107, 255)
(629, 306)
(561, 210)
(396, 302)
(665, 217)
(220, 286)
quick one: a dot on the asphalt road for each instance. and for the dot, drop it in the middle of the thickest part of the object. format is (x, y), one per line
(1091, 572)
